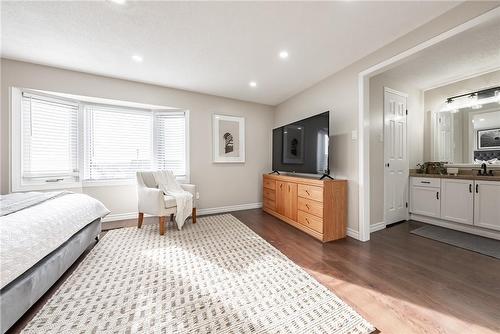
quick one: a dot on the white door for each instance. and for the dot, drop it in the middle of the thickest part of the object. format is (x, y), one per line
(396, 168)
(487, 204)
(457, 200)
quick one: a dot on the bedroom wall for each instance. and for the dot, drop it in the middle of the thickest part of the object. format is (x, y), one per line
(415, 133)
(434, 99)
(339, 94)
(219, 185)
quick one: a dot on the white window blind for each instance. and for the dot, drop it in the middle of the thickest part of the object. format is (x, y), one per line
(170, 141)
(49, 139)
(119, 142)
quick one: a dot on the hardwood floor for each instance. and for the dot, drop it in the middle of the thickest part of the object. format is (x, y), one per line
(401, 283)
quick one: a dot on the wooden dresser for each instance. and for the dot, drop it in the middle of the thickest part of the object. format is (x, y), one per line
(317, 207)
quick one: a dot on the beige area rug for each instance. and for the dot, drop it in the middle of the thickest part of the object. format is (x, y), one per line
(216, 276)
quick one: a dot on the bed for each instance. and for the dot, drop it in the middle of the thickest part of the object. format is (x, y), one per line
(41, 236)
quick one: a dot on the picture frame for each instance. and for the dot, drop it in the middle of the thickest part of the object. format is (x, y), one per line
(488, 139)
(228, 138)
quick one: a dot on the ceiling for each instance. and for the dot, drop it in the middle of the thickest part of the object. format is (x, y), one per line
(209, 47)
(468, 54)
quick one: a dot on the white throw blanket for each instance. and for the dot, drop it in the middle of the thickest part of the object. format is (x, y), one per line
(166, 181)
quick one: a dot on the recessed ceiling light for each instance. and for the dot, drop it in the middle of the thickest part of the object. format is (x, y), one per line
(137, 58)
(284, 54)
(119, 2)
(252, 84)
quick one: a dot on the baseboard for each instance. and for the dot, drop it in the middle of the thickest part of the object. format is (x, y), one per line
(377, 227)
(456, 226)
(353, 233)
(223, 209)
(200, 212)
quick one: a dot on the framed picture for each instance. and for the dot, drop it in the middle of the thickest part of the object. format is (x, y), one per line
(488, 139)
(228, 139)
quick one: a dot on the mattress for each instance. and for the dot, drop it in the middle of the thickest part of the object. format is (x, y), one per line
(28, 235)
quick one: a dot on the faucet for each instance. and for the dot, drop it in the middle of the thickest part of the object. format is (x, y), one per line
(483, 171)
(483, 168)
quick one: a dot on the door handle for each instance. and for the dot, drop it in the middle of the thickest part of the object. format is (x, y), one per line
(437, 194)
(387, 165)
(477, 188)
(470, 188)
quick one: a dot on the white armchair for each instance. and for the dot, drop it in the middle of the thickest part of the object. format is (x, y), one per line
(153, 202)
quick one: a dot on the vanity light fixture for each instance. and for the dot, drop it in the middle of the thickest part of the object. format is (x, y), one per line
(474, 100)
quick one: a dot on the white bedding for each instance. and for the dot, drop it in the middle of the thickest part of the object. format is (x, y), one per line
(28, 235)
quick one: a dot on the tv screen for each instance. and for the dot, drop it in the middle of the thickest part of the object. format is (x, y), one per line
(302, 146)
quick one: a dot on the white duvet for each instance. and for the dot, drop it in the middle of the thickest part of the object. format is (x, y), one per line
(28, 235)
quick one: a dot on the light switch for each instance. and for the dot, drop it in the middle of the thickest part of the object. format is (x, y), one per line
(354, 135)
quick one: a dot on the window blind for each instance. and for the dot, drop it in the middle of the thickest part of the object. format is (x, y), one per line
(119, 142)
(49, 138)
(170, 142)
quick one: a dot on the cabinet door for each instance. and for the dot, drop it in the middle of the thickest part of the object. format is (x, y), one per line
(425, 201)
(457, 200)
(291, 200)
(280, 197)
(487, 204)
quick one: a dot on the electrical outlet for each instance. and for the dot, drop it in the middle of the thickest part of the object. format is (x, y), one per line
(197, 195)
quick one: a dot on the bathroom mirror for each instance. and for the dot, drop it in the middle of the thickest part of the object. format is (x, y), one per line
(469, 135)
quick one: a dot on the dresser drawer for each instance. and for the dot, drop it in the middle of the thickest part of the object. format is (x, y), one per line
(270, 194)
(310, 221)
(310, 206)
(311, 192)
(269, 184)
(269, 204)
(426, 182)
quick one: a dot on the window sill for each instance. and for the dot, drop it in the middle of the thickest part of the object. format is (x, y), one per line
(108, 183)
(46, 186)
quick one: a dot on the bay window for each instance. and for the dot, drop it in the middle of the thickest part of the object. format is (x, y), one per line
(58, 143)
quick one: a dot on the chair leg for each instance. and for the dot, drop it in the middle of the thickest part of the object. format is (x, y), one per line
(140, 219)
(162, 225)
(193, 215)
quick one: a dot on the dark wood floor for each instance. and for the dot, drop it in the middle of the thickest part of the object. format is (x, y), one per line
(400, 282)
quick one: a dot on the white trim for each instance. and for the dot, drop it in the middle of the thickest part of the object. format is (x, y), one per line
(200, 212)
(456, 226)
(223, 209)
(353, 233)
(364, 113)
(377, 227)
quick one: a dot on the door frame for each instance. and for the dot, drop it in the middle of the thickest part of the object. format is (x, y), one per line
(405, 95)
(364, 113)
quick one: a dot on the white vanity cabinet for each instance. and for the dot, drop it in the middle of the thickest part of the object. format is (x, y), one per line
(457, 200)
(425, 196)
(473, 204)
(487, 204)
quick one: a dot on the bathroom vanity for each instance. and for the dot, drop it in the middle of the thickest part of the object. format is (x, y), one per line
(468, 203)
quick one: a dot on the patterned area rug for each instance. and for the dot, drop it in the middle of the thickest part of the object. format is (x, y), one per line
(216, 276)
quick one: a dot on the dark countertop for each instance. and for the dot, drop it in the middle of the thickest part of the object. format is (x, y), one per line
(459, 176)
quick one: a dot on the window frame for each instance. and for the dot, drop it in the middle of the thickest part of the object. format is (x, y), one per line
(17, 182)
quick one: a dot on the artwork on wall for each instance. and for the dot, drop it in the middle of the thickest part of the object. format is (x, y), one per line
(228, 138)
(488, 139)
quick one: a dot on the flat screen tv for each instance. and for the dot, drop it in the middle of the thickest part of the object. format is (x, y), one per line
(302, 146)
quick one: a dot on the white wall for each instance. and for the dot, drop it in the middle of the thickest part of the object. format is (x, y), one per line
(339, 93)
(415, 135)
(219, 184)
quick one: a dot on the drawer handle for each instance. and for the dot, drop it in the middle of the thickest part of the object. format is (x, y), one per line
(426, 182)
(307, 192)
(307, 220)
(307, 206)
